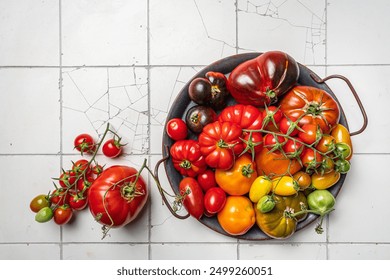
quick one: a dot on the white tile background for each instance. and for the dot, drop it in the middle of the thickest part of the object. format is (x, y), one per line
(68, 67)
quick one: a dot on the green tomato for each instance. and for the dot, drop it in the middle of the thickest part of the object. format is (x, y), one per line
(342, 150)
(321, 201)
(44, 215)
(265, 204)
(342, 166)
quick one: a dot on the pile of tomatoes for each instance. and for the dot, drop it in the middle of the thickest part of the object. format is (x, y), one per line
(266, 159)
(115, 195)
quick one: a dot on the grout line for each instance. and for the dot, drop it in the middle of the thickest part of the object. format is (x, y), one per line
(61, 111)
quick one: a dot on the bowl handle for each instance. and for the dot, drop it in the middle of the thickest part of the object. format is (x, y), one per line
(162, 191)
(359, 102)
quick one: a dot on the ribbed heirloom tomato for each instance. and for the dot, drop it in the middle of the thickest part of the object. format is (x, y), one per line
(187, 158)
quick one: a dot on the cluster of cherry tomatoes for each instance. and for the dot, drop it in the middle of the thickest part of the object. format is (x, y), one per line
(72, 186)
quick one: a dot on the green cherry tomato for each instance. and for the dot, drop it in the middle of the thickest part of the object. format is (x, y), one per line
(321, 201)
(44, 215)
(265, 204)
(342, 166)
(342, 150)
(39, 202)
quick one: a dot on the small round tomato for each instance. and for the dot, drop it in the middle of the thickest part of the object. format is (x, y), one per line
(293, 148)
(67, 179)
(177, 129)
(39, 202)
(310, 133)
(237, 216)
(78, 201)
(342, 150)
(206, 180)
(59, 197)
(97, 169)
(326, 143)
(342, 166)
(62, 214)
(311, 159)
(288, 126)
(44, 215)
(112, 148)
(214, 200)
(273, 141)
(84, 143)
(83, 184)
(80, 166)
(302, 179)
(198, 117)
(272, 115)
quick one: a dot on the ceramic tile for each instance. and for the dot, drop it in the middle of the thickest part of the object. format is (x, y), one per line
(29, 111)
(373, 87)
(194, 251)
(29, 252)
(361, 203)
(295, 27)
(93, 97)
(202, 32)
(20, 226)
(166, 83)
(359, 251)
(105, 252)
(282, 252)
(166, 228)
(22, 41)
(104, 32)
(84, 228)
(357, 32)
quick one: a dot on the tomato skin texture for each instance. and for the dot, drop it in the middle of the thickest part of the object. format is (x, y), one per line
(311, 105)
(39, 202)
(115, 190)
(214, 200)
(275, 223)
(206, 180)
(63, 214)
(187, 158)
(238, 179)
(341, 135)
(275, 163)
(219, 142)
(84, 143)
(246, 116)
(325, 181)
(194, 199)
(237, 216)
(261, 80)
(177, 129)
(112, 148)
(284, 186)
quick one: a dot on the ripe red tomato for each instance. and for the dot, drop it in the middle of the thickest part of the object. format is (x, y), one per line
(293, 148)
(246, 116)
(83, 184)
(206, 180)
(84, 143)
(272, 116)
(59, 197)
(80, 166)
(214, 200)
(114, 198)
(67, 179)
(273, 141)
(193, 200)
(311, 159)
(310, 133)
(177, 129)
(78, 201)
(112, 148)
(288, 126)
(63, 214)
(187, 158)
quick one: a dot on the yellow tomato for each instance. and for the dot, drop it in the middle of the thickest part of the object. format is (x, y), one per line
(284, 186)
(238, 179)
(322, 182)
(260, 187)
(341, 135)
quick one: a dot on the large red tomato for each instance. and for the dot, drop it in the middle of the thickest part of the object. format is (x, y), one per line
(311, 105)
(246, 116)
(187, 158)
(261, 80)
(115, 197)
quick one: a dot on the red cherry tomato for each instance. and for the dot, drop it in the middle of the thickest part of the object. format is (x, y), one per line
(193, 200)
(214, 200)
(177, 129)
(80, 166)
(84, 143)
(293, 148)
(206, 180)
(63, 214)
(59, 197)
(67, 179)
(112, 148)
(310, 133)
(288, 126)
(78, 201)
(311, 159)
(272, 141)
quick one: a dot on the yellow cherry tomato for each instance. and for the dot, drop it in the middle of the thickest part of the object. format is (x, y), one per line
(284, 186)
(341, 135)
(260, 187)
(325, 181)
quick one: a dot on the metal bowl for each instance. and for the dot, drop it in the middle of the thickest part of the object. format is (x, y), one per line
(183, 103)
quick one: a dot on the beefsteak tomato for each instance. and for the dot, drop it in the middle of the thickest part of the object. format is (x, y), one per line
(311, 105)
(187, 158)
(275, 163)
(261, 80)
(117, 196)
(246, 116)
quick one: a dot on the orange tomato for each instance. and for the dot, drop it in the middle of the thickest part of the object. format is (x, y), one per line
(341, 135)
(326, 143)
(238, 179)
(237, 216)
(275, 164)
